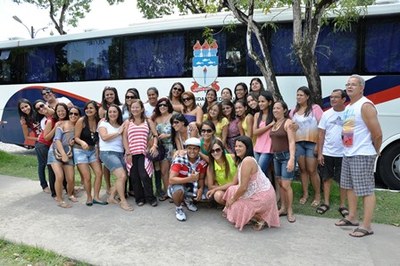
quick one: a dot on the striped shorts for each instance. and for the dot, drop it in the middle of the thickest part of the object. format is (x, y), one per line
(358, 174)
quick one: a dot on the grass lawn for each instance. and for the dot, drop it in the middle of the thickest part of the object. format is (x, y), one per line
(19, 254)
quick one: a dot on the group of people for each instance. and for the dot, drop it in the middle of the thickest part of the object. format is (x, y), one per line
(240, 151)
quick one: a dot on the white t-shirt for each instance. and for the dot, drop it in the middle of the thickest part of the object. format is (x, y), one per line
(148, 110)
(332, 122)
(114, 144)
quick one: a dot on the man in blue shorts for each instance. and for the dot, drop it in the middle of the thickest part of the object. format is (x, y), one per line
(362, 140)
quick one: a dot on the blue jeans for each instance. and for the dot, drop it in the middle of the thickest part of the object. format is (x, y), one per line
(264, 160)
(42, 151)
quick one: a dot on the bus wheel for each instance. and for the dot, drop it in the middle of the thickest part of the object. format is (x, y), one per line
(389, 166)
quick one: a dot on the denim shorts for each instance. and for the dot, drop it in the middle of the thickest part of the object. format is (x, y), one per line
(186, 190)
(281, 160)
(112, 160)
(305, 148)
(84, 156)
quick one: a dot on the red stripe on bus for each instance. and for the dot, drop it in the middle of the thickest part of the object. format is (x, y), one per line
(385, 96)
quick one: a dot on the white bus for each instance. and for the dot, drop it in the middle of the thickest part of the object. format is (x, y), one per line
(158, 53)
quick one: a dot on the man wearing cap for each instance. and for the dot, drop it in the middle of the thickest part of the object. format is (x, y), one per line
(186, 179)
(51, 100)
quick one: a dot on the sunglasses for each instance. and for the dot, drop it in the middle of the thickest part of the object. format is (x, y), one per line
(175, 122)
(47, 92)
(73, 113)
(130, 97)
(206, 131)
(162, 105)
(217, 150)
(177, 89)
(40, 107)
(186, 99)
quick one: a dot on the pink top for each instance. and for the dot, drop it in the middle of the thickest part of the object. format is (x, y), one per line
(263, 141)
(137, 138)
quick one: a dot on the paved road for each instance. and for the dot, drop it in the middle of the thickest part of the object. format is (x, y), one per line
(106, 235)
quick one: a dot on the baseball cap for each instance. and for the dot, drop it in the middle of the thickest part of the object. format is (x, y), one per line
(193, 142)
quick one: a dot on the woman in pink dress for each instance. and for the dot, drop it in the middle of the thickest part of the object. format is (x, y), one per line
(251, 197)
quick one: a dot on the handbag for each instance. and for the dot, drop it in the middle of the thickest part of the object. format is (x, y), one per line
(57, 153)
(156, 157)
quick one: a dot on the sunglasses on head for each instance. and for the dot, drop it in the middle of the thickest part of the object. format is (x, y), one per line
(206, 131)
(40, 107)
(217, 150)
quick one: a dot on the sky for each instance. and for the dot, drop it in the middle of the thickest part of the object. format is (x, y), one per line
(102, 16)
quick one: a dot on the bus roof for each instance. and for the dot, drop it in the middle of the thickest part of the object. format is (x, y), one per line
(171, 23)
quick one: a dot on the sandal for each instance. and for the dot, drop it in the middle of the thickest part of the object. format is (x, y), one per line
(303, 200)
(63, 204)
(111, 200)
(323, 208)
(259, 225)
(163, 197)
(291, 218)
(345, 222)
(343, 211)
(125, 206)
(73, 198)
(315, 203)
(361, 232)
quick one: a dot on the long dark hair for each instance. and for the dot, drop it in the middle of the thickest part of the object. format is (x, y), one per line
(307, 92)
(33, 116)
(270, 98)
(172, 87)
(261, 85)
(56, 117)
(229, 103)
(246, 91)
(119, 118)
(103, 97)
(178, 117)
(157, 112)
(205, 105)
(96, 116)
(249, 147)
(223, 157)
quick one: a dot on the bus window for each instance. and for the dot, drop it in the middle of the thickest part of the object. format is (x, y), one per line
(381, 50)
(157, 55)
(40, 64)
(336, 51)
(283, 57)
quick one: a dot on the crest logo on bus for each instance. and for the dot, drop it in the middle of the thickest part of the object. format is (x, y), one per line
(205, 66)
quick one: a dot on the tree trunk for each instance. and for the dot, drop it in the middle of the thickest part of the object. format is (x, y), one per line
(264, 63)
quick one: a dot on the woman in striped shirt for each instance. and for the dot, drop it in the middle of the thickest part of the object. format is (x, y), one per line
(136, 143)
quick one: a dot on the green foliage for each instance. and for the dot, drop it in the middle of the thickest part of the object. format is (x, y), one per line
(64, 12)
(18, 165)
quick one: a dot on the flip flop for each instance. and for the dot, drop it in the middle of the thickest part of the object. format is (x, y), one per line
(99, 202)
(362, 232)
(63, 204)
(323, 208)
(343, 211)
(291, 218)
(345, 222)
(126, 207)
(303, 200)
(73, 198)
(259, 225)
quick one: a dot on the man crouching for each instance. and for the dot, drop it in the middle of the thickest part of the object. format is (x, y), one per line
(186, 178)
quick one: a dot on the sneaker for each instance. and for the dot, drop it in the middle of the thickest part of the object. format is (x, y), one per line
(179, 214)
(189, 205)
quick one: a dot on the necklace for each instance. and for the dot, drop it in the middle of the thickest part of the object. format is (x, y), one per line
(278, 124)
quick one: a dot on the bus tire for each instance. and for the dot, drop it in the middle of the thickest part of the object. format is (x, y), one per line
(389, 166)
